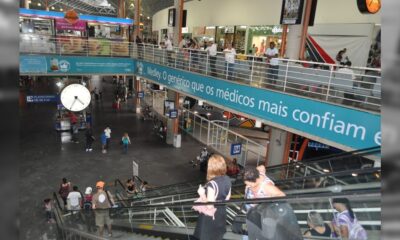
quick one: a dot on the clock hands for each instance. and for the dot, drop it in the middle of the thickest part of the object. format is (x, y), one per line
(80, 101)
(73, 103)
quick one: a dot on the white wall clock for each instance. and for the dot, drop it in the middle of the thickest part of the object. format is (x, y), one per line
(75, 97)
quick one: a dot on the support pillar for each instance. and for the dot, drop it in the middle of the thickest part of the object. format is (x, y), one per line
(96, 83)
(278, 146)
(26, 4)
(173, 136)
(136, 31)
(137, 89)
(296, 37)
(121, 9)
(178, 4)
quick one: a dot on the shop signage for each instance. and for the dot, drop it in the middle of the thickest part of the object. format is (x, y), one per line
(140, 94)
(75, 65)
(71, 16)
(41, 98)
(317, 145)
(173, 113)
(331, 124)
(63, 24)
(236, 149)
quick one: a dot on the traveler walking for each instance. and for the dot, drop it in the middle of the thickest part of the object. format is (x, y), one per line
(345, 223)
(101, 203)
(88, 214)
(108, 135)
(211, 223)
(74, 200)
(89, 138)
(103, 139)
(65, 188)
(48, 208)
(125, 142)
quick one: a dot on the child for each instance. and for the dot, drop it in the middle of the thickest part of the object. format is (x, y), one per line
(48, 209)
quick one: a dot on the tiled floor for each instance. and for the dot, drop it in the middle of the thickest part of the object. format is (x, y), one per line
(45, 160)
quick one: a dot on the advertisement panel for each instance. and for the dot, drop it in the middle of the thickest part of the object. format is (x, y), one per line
(63, 24)
(335, 125)
(72, 45)
(292, 11)
(30, 64)
(99, 47)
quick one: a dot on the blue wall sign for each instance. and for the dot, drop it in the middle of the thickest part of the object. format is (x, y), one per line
(173, 113)
(41, 98)
(236, 148)
(33, 64)
(140, 94)
(90, 18)
(342, 127)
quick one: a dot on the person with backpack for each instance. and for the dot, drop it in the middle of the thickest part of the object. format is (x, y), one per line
(101, 203)
(125, 142)
(87, 212)
(345, 223)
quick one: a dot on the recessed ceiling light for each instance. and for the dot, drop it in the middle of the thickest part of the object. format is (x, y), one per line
(39, 4)
(61, 9)
(52, 7)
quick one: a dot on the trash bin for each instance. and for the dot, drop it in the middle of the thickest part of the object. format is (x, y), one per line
(177, 141)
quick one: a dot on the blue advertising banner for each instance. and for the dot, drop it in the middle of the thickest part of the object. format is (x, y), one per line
(32, 64)
(236, 148)
(339, 126)
(75, 65)
(41, 98)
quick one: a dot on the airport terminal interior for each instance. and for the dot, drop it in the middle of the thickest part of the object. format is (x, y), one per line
(200, 119)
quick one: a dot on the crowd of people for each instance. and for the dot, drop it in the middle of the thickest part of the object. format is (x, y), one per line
(263, 220)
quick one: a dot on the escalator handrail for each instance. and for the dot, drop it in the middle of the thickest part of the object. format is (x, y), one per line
(356, 193)
(359, 152)
(57, 200)
(277, 182)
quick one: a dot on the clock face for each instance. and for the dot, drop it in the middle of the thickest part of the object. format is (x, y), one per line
(373, 6)
(369, 6)
(75, 97)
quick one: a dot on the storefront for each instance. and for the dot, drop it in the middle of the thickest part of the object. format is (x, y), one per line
(259, 38)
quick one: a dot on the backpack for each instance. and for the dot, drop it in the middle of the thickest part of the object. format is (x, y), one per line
(357, 232)
(87, 205)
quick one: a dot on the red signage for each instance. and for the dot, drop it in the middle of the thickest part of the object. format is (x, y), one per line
(62, 24)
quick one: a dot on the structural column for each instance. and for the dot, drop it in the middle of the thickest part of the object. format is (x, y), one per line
(136, 33)
(297, 35)
(178, 4)
(26, 4)
(278, 147)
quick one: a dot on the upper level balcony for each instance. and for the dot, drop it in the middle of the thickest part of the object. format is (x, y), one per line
(353, 87)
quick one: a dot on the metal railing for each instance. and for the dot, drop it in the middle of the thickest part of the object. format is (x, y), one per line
(220, 137)
(351, 86)
(356, 87)
(180, 218)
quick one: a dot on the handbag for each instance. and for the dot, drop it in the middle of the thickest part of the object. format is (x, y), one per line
(208, 211)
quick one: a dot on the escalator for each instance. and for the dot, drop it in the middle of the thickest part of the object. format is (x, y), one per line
(177, 220)
(335, 170)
